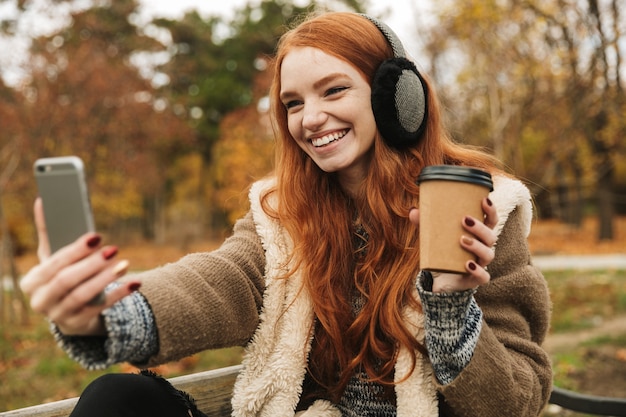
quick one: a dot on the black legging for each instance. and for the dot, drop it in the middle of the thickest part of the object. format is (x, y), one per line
(134, 395)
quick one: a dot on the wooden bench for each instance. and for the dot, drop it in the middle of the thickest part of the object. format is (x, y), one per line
(212, 391)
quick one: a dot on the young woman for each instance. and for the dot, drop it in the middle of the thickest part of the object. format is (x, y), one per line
(321, 280)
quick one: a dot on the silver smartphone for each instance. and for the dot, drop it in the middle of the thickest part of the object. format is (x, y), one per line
(66, 205)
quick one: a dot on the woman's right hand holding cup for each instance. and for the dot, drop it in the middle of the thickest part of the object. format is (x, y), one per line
(66, 285)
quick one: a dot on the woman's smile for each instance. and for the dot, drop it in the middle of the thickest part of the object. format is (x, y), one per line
(328, 138)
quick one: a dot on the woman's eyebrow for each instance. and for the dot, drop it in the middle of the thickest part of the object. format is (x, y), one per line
(284, 95)
(328, 78)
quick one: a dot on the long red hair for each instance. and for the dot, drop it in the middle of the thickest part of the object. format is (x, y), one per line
(319, 217)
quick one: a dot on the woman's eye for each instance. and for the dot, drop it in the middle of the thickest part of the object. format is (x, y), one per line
(291, 104)
(335, 90)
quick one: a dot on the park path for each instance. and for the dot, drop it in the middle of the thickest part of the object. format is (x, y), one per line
(560, 341)
(588, 262)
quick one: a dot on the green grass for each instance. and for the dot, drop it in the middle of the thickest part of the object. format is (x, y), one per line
(564, 365)
(37, 371)
(583, 298)
(615, 340)
(34, 370)
(573, 365)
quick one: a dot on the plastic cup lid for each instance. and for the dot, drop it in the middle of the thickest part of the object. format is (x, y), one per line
(456, 173)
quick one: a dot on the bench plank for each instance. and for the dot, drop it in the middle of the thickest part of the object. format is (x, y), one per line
(212, 391)
(55, 409)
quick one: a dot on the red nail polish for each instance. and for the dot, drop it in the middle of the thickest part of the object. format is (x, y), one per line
(109, 252)
(472, 266)
(134, 286)
(94, 241)
(469, 221)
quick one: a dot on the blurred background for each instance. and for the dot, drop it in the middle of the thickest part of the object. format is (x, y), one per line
(166, 103)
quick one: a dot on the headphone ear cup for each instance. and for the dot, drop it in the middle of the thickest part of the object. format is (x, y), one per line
(399, 102)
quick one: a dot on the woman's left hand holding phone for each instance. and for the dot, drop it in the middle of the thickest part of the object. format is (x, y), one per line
(63, 285)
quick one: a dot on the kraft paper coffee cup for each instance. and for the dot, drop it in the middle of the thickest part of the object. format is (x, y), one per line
(448, 193)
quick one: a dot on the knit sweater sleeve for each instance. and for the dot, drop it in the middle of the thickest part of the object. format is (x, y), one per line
(452, 326)
(208, 300)
(131, 336)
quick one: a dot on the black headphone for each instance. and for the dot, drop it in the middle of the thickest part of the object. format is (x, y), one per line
(398, 95)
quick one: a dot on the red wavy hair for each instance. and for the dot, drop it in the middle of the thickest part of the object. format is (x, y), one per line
(319, 217)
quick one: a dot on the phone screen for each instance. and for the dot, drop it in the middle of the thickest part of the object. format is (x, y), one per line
(63, 190)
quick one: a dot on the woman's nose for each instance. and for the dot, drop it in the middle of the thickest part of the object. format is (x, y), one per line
(314, 116)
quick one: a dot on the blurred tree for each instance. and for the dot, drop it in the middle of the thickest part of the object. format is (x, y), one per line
(244, 152)
(10, 155)
(211, 75)
(148, 145)
(540, 83)
(85, 98)
(591, 87)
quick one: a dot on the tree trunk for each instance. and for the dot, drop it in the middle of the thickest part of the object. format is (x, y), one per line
(605, 203)
(8, 269)
(575, 210)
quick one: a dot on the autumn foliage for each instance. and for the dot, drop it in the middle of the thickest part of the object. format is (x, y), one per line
(172, 128)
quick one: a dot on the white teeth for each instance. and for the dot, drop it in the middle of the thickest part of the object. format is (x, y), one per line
(325, 140)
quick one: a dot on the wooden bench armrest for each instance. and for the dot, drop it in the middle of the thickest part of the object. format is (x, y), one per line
(591, 404)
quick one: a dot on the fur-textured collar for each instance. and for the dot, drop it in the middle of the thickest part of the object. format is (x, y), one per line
(275, 361)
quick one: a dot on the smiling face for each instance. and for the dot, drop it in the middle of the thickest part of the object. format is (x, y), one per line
(329, 112)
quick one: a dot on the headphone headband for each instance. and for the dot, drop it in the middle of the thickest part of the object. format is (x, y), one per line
(398, 94)
(390, 35)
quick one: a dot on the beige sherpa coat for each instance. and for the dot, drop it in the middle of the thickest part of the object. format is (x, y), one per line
(276, 358)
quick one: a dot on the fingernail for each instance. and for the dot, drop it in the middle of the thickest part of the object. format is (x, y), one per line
(121, 268)
(469, 221)
(94, 241)
(489, 202)
(467, 240)
(108, 253)
(472, 266)
(134, 286)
